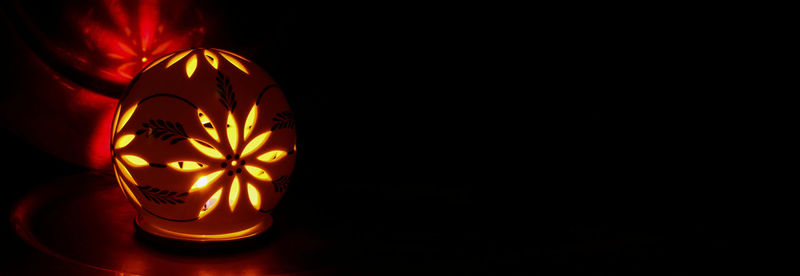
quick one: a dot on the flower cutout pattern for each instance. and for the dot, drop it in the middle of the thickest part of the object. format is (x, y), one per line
(241, 163)
(237, 161)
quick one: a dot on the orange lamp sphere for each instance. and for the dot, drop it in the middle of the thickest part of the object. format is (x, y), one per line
(203, 145)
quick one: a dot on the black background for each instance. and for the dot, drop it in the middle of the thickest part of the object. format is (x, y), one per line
(469, 140)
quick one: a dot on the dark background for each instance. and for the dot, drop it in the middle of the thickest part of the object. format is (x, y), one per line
(460, 140)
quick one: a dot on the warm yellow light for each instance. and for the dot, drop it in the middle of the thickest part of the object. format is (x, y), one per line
(205, 148)
(124, 140)
(250, 122)
(191, 65)
(125, 117)
(233, 163)
(255, 197)
(272, 156)
(232, 53)
(256, 143)
(233, 132)
(210, 204)
(258, 173)
(127, 190)
(177, 58)
(211, 58)
(207, 125)
(134, 160)
(205, 180)
(125, 172)
(116, 120)
(144, 59)
(156, 62)
(235, 62)
(233, 196)
(186, 165)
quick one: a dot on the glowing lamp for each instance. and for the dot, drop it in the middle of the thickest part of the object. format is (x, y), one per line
(203, 145)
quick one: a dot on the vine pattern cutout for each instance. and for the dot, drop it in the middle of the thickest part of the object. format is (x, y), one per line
(163, 130)
(284, 119)
(161, 196)
(225, 90)
(281, 183)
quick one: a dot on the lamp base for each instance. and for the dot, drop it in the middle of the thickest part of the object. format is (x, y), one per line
(202, 247)
(143, 225)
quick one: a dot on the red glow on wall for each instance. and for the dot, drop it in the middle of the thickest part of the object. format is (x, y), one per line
(136, 34)
(97, 154)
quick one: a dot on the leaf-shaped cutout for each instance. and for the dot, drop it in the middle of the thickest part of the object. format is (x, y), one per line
(125, 117)
(272, 156)
(205, 122)
(134, 160)
(205, 180)
(233, 196)
(129, 194)
(125, 172)
(211, 58)
(255, 197)
(116, 120)
(186, 166)
(124, 140)
(256, 143)
(233, 132)
(235, 62)
(210, 204)
(258, 173)
(191, 65)
(206, 148)
(177, 58)
(250, 122)
(154, 63)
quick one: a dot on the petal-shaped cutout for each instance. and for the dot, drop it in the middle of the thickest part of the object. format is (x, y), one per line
(156, 62)
(250, 122)
(258, 173)
(233, 196)
(233, 132)
(211, 203)
(187, 166)
(116, 120)
(211, 58)
(177, 58)
(124, 140)
(125, 117)
(206, 148)
(255, 197)
(256, 143)
(231, 53)
(191, 65)
(134, 160)
(205, 180)
(126, 190)
(272, 156)
(207, 125)
(235, 62)
(125, 172)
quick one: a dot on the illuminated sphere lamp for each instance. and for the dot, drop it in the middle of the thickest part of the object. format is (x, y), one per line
(203, 145)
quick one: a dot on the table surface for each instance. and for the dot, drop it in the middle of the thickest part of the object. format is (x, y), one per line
(83, 225)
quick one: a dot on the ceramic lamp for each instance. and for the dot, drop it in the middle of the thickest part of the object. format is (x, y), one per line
(203, 145)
